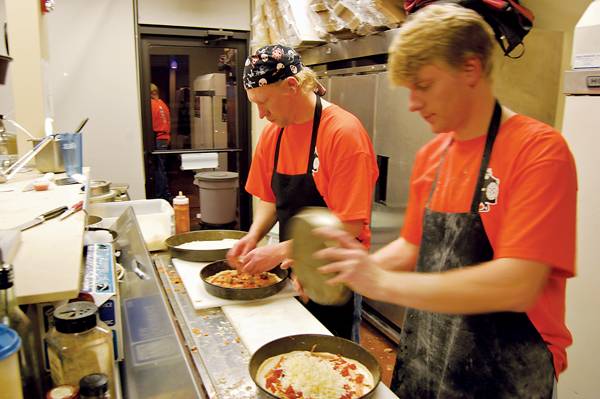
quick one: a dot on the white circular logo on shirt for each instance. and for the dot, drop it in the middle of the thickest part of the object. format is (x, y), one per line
(492, 191)
(316, 163)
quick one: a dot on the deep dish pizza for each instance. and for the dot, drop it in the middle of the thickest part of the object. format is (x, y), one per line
(234, 279)
(314, 375)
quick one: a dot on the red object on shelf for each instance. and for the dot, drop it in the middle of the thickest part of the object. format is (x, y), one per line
(47, 6)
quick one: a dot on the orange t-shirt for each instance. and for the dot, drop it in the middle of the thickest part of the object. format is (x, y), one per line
(161, 119)
(347, 169)
(534, 214)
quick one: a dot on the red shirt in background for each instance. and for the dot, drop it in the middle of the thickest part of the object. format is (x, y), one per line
(347, 169)
(535, 211)
(161, 119)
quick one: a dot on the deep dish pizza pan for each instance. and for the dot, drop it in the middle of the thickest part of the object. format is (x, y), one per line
(240, 293)
(201, 255)
(320, 343)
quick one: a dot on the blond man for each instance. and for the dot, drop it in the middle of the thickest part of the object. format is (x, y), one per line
(489, 234)
(311, 153)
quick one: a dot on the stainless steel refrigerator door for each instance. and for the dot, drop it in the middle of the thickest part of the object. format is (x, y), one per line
(355, 93)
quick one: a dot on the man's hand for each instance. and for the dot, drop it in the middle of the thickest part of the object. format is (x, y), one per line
(351, 262)
(262, 259)
(298, 287)
(236, 254)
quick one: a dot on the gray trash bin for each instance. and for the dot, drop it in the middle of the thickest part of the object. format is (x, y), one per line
(218, 196)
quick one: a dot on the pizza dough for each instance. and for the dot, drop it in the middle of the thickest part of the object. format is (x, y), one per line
(225, 243)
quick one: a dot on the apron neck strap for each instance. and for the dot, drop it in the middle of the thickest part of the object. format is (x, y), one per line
(489, 143)
(313, 140)
(487, 152)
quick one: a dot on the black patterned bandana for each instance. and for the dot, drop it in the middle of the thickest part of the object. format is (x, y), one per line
(271, 64)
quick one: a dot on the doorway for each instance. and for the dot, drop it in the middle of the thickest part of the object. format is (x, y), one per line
(194, 114)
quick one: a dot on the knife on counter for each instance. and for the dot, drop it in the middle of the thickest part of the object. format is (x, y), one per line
(42, 218)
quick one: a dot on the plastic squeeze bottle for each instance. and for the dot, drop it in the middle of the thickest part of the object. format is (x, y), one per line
(181, 205)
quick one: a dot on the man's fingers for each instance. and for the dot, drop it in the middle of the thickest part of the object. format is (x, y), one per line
(343, 238)
(338, 254)
(286, 264)
(298, 288)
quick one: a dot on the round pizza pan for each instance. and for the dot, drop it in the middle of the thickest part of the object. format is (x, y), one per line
(201, 255)
(240, 293)
(320, 343)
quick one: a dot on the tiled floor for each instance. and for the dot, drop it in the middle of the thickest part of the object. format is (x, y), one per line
(381, 347)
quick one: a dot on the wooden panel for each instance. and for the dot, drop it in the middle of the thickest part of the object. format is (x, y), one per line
(48, 262)
(530, 84)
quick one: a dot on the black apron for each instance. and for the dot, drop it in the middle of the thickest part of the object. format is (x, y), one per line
(292, 193)
(492, 355)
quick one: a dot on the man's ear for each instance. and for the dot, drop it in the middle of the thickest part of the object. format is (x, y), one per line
(472, 70)
(291, 85)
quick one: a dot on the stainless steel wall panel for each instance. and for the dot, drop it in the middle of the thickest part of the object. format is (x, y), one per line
(355, 93)
(398, 134)
(325, 81)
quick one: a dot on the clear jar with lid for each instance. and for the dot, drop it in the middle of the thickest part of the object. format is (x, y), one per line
(79, 344)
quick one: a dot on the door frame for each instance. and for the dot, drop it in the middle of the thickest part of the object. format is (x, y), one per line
(200, 37)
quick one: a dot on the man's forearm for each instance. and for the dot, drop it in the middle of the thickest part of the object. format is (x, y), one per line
(265, 217)
(495, 286)
(399, 255)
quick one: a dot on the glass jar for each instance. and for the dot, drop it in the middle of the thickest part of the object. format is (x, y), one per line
(79, 344)
(94, 386)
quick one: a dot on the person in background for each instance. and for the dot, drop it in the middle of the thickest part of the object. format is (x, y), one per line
(489, 233)
(161, 126)
(311, 153)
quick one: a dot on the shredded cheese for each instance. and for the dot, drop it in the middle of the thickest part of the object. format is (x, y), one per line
(313, 376)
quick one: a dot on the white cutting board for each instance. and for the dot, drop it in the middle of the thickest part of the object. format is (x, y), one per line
(189, 272)
(259, 323)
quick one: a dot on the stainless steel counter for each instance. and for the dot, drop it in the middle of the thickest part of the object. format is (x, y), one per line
(215, 348)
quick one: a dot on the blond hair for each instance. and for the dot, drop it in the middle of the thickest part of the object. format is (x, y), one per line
(307, 79)
(440, 32)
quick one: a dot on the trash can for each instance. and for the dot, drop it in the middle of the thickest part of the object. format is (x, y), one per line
(218, 196)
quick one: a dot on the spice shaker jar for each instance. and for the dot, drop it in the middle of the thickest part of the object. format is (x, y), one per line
(79, 344)
(94, 386)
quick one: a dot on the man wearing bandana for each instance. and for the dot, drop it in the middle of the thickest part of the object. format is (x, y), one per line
(312, 153)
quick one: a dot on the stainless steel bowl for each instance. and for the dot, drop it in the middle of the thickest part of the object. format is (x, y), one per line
(107, 197)
(201, 255)
(98, 187)
(92, 220)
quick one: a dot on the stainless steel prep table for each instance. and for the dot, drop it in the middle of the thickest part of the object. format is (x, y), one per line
(171, 349)
(215, 347)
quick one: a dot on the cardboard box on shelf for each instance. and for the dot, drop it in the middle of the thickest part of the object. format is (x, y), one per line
(100, 282)
(99, 286)
(392, 10)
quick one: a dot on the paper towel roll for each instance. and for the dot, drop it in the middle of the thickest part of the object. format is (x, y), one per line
(203, 160)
